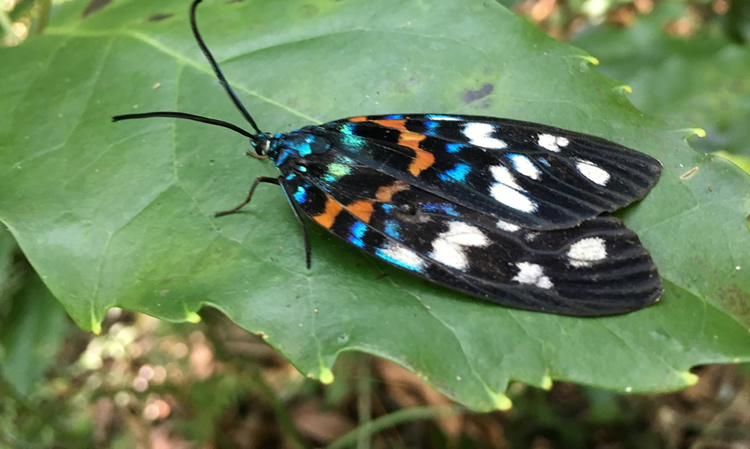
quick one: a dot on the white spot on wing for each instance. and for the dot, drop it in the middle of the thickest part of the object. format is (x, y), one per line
(504, 176)
(403, 255)
(512, 198)
(585, 252)
(552, 143)
(507, 191)
(505, 226)
(593, 172)
(524, 166)
(479, 134)
(448, 247)
(531, 273)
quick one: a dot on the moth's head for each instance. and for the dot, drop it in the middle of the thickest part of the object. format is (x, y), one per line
(261, 144)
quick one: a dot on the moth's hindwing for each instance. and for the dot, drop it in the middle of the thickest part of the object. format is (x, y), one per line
(597, 267)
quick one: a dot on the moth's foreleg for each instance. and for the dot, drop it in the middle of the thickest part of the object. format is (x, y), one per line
(257, 181)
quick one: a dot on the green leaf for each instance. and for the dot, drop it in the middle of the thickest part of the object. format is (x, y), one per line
(121, 214)
(31, 336)
(702, 80)
(8, 248)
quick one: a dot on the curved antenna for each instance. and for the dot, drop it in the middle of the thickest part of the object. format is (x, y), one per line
(217, 70)
(186, 116)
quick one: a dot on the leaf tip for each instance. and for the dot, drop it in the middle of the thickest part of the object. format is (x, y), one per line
(325, 376)
(501, 402)
(700, 132)
(742, 162)
(624, 88)
(590, 59)
(546, 383)
(96, 323)
(690, 378)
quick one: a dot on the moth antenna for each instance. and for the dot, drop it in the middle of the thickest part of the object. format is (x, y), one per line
(216, 69)
(199, 118)
(186, 116)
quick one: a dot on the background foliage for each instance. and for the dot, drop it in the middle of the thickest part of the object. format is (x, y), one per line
(92, 61)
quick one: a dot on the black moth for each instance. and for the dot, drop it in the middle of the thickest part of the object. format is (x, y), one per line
(504, 210)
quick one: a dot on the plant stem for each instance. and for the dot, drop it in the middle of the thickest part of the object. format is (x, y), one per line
(7, 27)
(399, 417)
(364, 400)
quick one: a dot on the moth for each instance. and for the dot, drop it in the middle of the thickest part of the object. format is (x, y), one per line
(503, 210)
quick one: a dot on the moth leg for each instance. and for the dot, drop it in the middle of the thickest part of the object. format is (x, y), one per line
(308, 248)
(257, 181)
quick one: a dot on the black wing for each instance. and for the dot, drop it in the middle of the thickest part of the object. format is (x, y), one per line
(535, 176)
(596, 268)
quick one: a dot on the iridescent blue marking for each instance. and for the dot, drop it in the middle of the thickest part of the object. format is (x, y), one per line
(344, 160)
(303, 148)
(457, 173)
(454, 147)
(393, 229)
(285, 153)
(346, 128)
(294, 145)
(355, 143)
(394, 117)
(543, 162)
(446, 208)
(358, 231)
(302, 169)
(291, 176)
(385, 256)
(430, 127)
(443, 117)
(300, 196)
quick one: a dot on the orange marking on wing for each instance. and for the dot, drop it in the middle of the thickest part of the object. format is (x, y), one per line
(361, 118)
(361, 209)
(385, 193)
(333, 209)
(422, 159)
(395, 124)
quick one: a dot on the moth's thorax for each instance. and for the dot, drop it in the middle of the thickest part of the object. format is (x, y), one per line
(297, 144)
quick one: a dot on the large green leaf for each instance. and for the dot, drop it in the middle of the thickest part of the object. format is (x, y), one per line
(32, 338)
(32, 323)
(121, 214)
